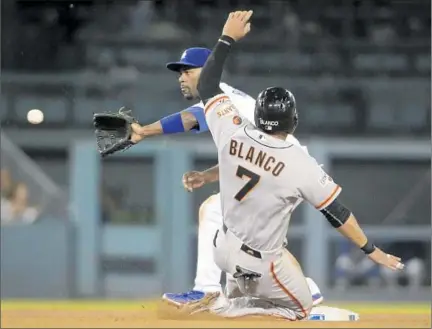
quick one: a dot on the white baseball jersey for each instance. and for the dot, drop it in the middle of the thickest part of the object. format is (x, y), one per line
(262, 178)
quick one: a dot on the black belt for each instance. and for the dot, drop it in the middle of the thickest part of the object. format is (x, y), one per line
(244, 247)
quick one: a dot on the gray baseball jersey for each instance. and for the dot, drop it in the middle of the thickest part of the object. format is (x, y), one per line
(262, 178)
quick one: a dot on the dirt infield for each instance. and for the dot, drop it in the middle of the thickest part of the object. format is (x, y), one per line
(150, 315)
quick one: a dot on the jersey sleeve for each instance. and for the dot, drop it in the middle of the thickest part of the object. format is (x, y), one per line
(244, 102)
(223, 118)
(315, 185)
(198, 112)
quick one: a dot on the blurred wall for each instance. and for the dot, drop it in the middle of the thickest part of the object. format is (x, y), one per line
(38, 261)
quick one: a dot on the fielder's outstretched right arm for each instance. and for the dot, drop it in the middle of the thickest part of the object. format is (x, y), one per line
(191, 119)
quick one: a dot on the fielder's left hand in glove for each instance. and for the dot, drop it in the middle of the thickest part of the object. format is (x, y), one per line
(113, 131)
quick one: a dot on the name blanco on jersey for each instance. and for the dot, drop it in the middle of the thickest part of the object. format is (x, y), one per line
(256, 157)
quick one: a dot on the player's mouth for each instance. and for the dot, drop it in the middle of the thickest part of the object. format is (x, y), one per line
(185, 90)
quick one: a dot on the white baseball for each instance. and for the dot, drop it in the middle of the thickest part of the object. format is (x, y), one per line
(35, 116)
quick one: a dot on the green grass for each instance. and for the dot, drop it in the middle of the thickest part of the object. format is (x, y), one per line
(81, 305)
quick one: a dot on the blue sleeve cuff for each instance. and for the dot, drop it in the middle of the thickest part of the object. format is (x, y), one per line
(198, 112)
(172, 124)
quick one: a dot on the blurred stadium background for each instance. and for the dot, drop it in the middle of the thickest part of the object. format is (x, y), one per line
(73, 226)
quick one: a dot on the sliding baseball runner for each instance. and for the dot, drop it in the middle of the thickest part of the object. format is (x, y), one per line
(262, 179)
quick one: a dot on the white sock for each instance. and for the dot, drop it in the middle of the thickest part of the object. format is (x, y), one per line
(208, 274)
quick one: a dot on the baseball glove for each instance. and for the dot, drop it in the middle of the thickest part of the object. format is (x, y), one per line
(113, 131)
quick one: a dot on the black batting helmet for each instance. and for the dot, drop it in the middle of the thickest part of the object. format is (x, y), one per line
(275, 110)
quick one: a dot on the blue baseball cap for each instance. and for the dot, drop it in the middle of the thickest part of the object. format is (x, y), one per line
(192, 57)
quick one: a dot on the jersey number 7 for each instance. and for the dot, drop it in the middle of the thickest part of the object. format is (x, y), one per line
(253, 181)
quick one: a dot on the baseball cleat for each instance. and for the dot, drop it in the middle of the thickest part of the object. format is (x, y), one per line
(201, 305)
(183, 298)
